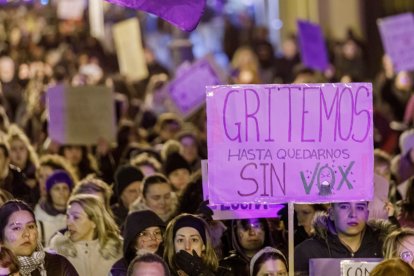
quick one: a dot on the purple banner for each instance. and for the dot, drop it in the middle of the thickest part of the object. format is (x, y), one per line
(290, 143)
(312, 46)
(397, 34)
(185, 14)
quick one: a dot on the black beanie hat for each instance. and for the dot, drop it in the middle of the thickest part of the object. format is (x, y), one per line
(174, 162)
(135, 223)
(124, 176)
(191, 221)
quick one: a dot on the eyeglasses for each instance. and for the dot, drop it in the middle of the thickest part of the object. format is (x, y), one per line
(147, 236)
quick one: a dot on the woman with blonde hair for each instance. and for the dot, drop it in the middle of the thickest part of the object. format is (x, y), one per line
(400, 244)
(94, 186)
(188, 247)
(22, 154)
(92, 242)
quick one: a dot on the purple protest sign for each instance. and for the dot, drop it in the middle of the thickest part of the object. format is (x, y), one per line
(397, 34)
(312, 46)
(185, 14)
(187, 91)
(290, 143)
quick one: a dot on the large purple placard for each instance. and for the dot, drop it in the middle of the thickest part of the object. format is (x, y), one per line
(397, 33)
(185, 14)
(290, 143)
(312, 46)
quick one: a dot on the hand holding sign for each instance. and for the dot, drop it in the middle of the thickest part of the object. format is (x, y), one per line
(185, 14)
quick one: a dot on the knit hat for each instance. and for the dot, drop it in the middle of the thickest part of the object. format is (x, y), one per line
(58, 176)
(406, 141)
(174, 162)
(267, 249)
(135, 223)
(124, 176)
(191, 221)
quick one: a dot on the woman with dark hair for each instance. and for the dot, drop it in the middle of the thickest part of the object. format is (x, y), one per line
(18, 231)
(158, 196)
(268, 261)
(9, 265)
(143, 233)
(80, 159)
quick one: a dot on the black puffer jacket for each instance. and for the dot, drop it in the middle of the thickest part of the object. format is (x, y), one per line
(326, 244)
(238, 262)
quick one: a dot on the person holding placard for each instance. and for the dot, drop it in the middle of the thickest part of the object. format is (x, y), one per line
(342, 233)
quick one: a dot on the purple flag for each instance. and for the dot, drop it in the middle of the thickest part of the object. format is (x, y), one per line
(185, 14)
(312, 46)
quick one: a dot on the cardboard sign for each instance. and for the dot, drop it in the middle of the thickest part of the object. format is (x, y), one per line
(397, 34)
(185, 14)
(357, 268)
(128, 44)
(330, 266)
(377, 206)
(290, 143)
(237, 211)
(70, 9)
(81, 115)
(312, 46)
(187, 92)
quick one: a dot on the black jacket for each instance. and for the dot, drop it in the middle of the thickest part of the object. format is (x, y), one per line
(238, 262)
(57, 265)
(326, 244)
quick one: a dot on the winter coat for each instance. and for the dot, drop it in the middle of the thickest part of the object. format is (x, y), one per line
(57, 265)
(238, 262)
(85, 256)
(48, 223)
(326, 244)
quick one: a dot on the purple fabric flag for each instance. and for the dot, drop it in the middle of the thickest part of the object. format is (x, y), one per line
(185, 14)
(312, 46)
(397, 33)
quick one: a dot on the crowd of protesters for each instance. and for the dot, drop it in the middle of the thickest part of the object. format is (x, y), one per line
(136, 205)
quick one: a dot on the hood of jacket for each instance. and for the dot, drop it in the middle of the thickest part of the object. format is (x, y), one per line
(268, 241)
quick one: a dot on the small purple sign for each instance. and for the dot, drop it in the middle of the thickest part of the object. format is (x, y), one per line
(185, 14)
(290, 143)
(397, 33)
(188, 90)
(312, 46)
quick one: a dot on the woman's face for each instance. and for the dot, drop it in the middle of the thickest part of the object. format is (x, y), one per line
(18, 153)
(305, 214)
(179, 179)
(149, 240)
(43, 174)
(80, 227)
(60, 194)
(405, 250)
(188, 239)
(20, 233)
(73, 154)
(273, 267)
(158, 198)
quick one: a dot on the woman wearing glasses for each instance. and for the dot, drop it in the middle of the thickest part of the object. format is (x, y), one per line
(142, 234)
(400, 243)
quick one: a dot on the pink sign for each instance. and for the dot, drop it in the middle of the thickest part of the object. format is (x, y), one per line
(290, 143)
(397, 33)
